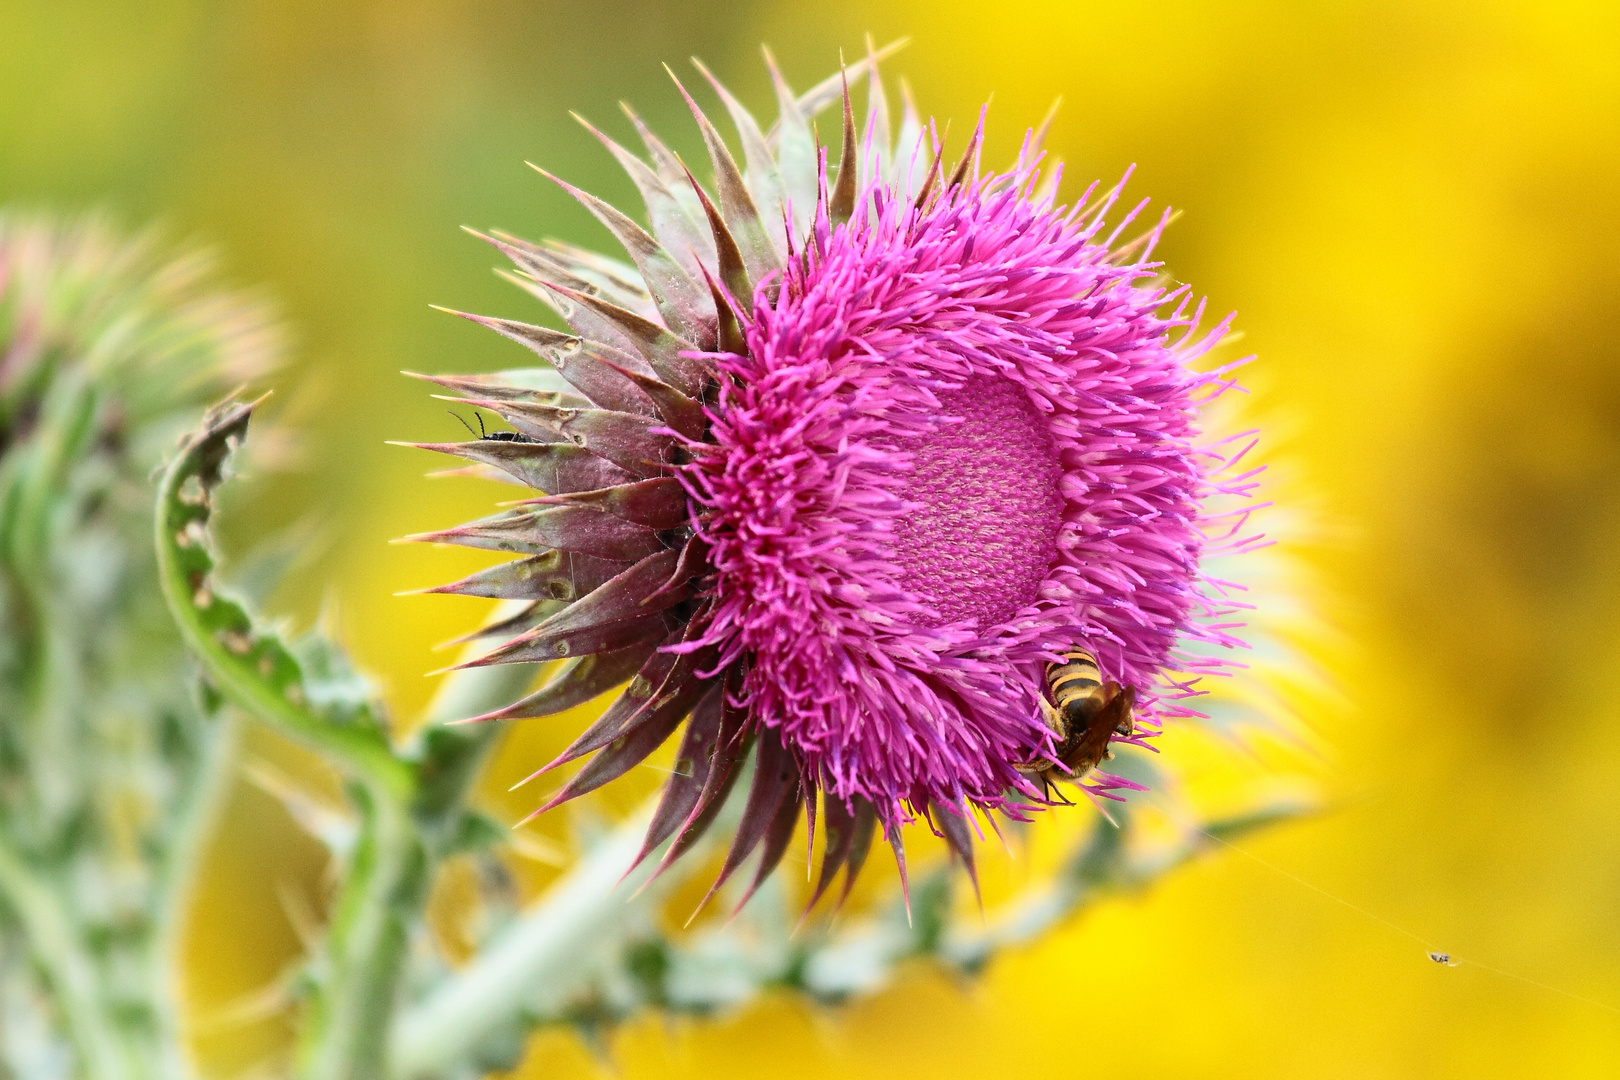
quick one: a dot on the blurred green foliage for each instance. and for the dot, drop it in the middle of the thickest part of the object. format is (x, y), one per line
(111, 766)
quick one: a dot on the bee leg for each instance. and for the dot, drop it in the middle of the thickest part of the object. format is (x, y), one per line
(1050, 715)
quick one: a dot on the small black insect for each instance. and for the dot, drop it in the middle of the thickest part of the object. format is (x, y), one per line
(1442, 958)
(485, 436)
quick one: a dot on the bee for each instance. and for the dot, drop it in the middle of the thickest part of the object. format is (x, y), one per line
(496, 436)
(1084, 713)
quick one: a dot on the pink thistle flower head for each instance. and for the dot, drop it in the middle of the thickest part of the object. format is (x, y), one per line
(859, 499)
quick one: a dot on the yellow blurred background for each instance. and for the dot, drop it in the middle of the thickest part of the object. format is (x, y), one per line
(1413, 207)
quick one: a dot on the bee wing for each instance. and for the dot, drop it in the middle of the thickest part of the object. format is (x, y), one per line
(1092, 744)
(1113, 718)
(1120, 708)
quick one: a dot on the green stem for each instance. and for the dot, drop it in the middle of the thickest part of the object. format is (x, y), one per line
(527, 966)
(390, 877)
(346, 1038)
(542, 960)
(113, 1036)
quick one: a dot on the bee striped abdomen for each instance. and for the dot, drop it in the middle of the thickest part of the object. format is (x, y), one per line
(1075, 684)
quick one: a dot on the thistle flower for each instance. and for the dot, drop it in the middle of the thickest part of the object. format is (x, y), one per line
(838, 467)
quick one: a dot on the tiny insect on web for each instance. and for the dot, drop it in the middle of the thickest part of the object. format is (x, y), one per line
(1436, 955)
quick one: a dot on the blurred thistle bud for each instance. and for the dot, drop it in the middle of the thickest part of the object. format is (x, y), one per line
(110, 347)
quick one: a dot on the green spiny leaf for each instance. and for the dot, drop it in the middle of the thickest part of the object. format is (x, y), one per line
(251, 667)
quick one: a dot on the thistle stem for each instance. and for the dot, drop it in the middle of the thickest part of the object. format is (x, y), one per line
(535, 964)
(389, 879)
(346, 1038)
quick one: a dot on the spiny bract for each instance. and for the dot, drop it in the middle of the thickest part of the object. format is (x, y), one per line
(836, 468)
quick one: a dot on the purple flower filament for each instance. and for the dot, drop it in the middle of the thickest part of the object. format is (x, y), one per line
(962, 440)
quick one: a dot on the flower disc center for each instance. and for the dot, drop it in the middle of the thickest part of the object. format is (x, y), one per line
(985, 534)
